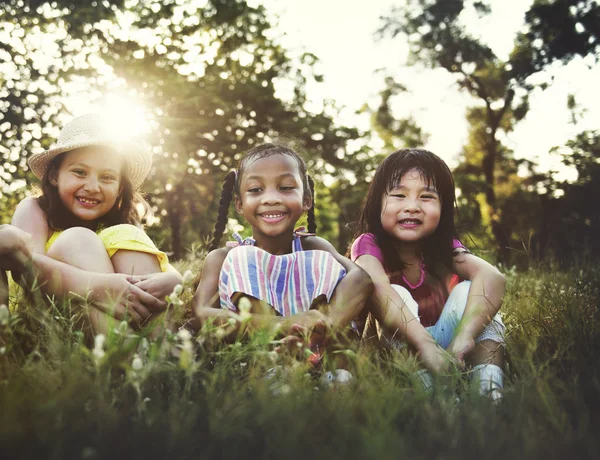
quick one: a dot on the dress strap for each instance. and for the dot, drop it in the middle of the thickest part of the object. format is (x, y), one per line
(298, 234)
(239, 241)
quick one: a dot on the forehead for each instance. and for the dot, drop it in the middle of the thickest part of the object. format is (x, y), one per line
(99, 157)
(413, 178)
(271, 166)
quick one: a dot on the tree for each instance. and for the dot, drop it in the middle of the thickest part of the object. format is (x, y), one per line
(437, 38)
(209, 72)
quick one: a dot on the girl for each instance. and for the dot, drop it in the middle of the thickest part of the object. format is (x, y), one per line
(430, 291)
(296, 281)
(85, 229)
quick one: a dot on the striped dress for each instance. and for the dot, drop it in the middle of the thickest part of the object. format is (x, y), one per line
(289, 282)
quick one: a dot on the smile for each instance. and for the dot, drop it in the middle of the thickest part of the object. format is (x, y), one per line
(409, 222)
(87, 201)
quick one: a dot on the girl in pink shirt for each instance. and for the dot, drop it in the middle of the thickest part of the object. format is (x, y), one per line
(430, 292)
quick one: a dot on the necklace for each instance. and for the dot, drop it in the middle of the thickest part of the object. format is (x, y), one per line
(421, 278)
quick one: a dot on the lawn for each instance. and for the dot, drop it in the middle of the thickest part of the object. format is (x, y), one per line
(128, 397)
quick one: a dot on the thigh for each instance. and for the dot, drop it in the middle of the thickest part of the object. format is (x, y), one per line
(135, 262)
(443, 330)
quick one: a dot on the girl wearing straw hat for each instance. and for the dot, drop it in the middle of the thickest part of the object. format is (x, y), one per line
(86, 234)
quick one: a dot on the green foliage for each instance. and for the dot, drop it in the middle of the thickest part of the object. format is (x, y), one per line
(129, 396)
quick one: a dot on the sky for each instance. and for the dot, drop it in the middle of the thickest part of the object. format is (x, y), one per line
(342, 34)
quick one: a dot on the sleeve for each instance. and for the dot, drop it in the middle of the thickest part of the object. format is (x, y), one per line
(365, 245)
(456, 244)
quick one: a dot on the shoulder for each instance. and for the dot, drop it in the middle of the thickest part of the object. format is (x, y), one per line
(365, 244)
(316, 243)
(30, 204)
(30, 217)
(216, 257)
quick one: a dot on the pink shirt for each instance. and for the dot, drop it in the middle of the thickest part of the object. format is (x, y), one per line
(431, 296)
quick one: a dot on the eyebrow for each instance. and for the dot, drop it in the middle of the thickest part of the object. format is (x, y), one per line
(426, 189)
(281, 176)
(107, 170)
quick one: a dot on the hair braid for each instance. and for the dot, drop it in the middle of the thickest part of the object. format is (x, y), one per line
(226, 196)
(312, 223)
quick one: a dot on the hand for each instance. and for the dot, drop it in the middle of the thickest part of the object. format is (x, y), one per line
(461, 347)
(115, 295)
(436, 359)
(15, 248)
(307, 336)
(158, 285)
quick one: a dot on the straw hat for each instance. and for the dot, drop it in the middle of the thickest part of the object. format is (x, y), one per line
(95, 129)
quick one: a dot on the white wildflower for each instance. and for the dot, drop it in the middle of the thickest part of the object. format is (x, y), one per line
(177, 290)
(123, 327)
(137, 363)
(98, 351)
(4, 315)
(2, 350)
(244, 305)
(220, 333)
(188, 277)
(232, 321)
(184, 335)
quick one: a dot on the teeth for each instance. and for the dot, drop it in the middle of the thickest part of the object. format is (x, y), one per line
(272, 215)
(408, 221)
(84, 200)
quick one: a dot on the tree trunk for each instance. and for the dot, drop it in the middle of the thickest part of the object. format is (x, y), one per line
(495, 214)
(174, 213)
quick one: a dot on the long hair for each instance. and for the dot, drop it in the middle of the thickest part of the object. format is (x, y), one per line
(231, 186)
(129, 208)
(438, 247)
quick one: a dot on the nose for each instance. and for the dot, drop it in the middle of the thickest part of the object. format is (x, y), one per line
(92, 184)
(411, 205)
(271, 196)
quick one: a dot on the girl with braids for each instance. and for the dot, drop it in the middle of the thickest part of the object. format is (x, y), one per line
(430, 291)
(295, 281)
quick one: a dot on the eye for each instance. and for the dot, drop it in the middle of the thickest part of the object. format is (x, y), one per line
(108, 178)
(286, 188)
(78, 172)
(254, 190)
(398, 195)
(428, 197)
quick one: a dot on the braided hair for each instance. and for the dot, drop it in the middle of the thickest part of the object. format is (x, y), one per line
(232, 181)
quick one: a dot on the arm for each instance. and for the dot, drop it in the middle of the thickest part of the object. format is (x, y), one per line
(15, 247)
(206, 305)
(353, 290)
(390, 310)
(485, 299)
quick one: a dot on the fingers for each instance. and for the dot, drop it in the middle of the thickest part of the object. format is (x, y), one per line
(148, 300)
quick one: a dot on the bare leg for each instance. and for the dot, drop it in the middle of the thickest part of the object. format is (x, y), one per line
(487, 352)
(83, 249)
(142, 263)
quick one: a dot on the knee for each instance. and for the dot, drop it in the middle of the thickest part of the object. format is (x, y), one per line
(74, 240)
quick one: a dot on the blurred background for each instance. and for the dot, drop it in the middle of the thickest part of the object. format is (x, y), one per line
(504, 90)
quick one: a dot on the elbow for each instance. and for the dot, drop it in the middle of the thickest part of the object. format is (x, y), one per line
(364, 283)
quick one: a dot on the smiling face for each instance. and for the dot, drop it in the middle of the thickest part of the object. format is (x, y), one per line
(272, 197)
(88, 181)
(411, 210)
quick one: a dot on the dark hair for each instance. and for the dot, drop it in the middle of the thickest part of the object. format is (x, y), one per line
(232, 181)
(125, 211)
(438, 247)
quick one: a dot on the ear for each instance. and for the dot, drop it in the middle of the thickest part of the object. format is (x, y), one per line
(53, 176)
(238, 205)
(307, 204)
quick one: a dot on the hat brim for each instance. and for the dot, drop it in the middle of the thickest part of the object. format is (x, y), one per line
(138, 159)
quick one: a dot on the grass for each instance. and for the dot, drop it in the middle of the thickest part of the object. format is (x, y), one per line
(61, 399)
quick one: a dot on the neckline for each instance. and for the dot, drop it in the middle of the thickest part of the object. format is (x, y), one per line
(421, 278)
